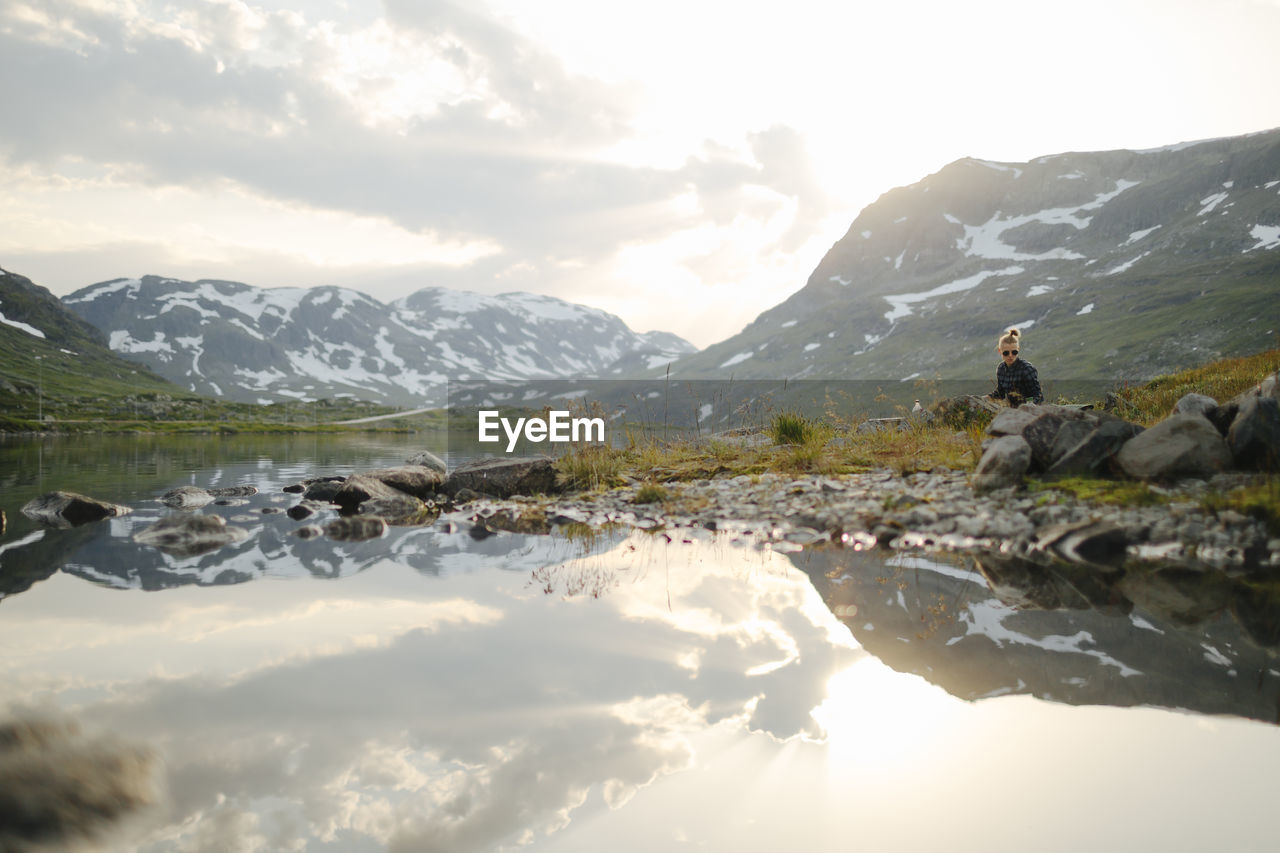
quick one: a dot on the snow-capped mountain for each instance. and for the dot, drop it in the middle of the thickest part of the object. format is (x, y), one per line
(263, 344)
(1118, 264)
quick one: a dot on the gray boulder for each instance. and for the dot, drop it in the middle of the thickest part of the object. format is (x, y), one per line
(417, 480)
(186, 497)
(359, 488)
(1179, 446)
(1069, 436)
(1270, 387)
(504, 478)
(427, 459)
(1254, 436)
(1003, 464)
(1013, 421)
(1042, 427)
(1195, 404)
(1093, 454)
(68, 509)
(959, 412)
(188, 535)
(321, 489)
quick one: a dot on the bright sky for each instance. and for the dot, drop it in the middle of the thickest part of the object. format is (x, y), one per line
(684, 165)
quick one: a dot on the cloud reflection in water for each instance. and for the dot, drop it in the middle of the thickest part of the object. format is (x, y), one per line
(327, 714)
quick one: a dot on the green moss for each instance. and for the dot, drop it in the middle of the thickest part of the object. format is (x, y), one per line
(1259, 501)
(1100, 491)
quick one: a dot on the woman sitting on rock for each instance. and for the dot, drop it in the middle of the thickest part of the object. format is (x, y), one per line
(1016, 380)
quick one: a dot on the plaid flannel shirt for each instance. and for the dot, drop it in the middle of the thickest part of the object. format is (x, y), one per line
(1018, 377)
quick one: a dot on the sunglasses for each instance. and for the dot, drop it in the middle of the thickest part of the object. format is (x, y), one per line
(1009, 352)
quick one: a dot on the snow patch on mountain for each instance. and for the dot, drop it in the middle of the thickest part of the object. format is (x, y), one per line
(1138, 235)
(984, 241)
(122, 341)
(1211, 202)
(901, 303)
(25, 327)
(1268, 237)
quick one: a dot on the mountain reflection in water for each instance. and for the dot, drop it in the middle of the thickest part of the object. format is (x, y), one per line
(432, 690)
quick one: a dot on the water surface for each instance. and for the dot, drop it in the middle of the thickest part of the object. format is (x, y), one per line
(441, 689)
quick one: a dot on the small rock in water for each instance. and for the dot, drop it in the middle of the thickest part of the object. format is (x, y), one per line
(189, 535)
(355, 528)
(299, 512)
(427, 459)
(417, 480)
(68, 509)
(186, 497)
(234, 491)
(309, 531)
(359, 488)
(322, 489)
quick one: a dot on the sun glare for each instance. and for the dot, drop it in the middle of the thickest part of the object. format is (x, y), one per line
(882, 721)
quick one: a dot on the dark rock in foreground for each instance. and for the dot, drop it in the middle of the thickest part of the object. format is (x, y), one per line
(504, 478)
(67, 509)
(56, 785)
(1093, 454)
(1254, 436)
(189, 535)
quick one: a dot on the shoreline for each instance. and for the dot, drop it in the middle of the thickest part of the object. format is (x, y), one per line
(936, 510)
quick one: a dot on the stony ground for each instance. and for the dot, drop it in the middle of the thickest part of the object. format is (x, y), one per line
(938, 510)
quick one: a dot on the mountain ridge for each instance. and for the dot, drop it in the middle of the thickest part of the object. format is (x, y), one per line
(1092, 252)
(233, 340)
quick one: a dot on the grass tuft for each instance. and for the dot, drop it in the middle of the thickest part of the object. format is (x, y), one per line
(791, 428)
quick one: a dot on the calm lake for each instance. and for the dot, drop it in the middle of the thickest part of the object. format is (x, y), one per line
(441, 690)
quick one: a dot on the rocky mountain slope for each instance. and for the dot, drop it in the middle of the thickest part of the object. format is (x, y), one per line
(1118, 264)
(255, 344)
(73, 357)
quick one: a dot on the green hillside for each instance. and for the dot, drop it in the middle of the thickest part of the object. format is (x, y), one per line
(57, 374)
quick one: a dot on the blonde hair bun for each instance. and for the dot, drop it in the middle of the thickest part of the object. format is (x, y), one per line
(1014, 333)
